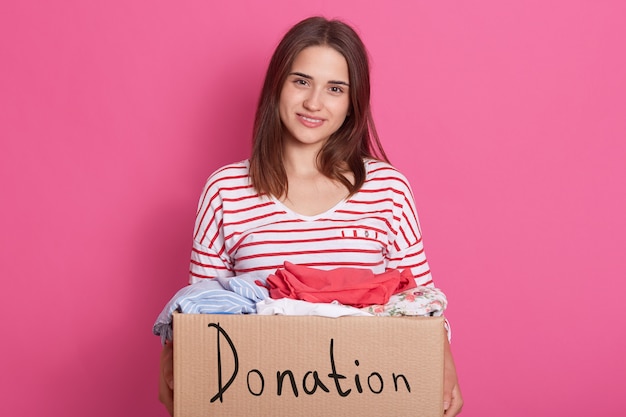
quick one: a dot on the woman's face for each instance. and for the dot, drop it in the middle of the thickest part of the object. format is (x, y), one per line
(315, 98)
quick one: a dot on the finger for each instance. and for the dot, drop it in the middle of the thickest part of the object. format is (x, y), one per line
(446, 403)
(448, 386)
(456, 403)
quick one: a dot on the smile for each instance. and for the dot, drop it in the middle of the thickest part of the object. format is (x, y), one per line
(310, 121)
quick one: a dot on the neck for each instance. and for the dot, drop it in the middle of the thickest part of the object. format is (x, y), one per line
(301, 160)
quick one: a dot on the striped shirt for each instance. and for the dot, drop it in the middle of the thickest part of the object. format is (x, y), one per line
(238, 231)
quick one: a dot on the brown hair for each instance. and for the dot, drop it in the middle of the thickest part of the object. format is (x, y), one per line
(345, 149)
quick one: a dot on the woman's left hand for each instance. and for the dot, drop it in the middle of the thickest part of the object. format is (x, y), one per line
(452, 399)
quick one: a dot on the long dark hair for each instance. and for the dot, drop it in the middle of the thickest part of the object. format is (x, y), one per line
(345, 149)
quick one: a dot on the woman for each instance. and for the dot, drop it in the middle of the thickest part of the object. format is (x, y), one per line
(318, 189)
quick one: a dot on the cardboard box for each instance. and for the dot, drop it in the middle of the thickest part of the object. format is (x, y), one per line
(250, 365)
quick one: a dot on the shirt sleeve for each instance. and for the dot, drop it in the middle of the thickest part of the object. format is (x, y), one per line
(208, 254)
(406, 250)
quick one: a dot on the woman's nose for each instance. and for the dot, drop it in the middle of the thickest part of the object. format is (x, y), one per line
(313, 102)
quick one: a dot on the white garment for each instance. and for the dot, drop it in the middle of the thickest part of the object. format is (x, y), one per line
(290, 307)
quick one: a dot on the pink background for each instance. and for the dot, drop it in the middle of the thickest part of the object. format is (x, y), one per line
(509, 120)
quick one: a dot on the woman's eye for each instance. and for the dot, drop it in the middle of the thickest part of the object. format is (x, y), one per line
(301, 82)
(336, 90)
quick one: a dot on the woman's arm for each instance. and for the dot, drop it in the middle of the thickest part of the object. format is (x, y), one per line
(408, 251)
(206, 263)
(166, 377)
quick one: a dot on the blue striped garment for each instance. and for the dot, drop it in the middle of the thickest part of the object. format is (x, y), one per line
(235, 295)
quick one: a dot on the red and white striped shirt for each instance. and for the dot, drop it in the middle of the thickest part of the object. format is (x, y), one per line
(237, 231)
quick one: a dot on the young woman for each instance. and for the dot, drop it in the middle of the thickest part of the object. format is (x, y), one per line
(318, 189)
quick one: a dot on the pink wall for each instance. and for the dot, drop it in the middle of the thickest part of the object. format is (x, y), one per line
(508, 119)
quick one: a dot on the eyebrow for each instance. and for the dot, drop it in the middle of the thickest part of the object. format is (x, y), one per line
(308, 77)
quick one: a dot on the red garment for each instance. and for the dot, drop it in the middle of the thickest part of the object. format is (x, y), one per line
(350, 286)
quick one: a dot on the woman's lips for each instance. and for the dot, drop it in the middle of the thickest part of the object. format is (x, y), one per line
(310, 121)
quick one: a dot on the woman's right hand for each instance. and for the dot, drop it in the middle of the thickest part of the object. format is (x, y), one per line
(166, 377)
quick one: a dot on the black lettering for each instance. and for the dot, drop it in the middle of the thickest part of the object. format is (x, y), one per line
(256, 382)
(255, 371)
(395, 381)
(357, 379)
(380, 379)
(317, 383)
(223, 388)
(279, 381)
(334, 375)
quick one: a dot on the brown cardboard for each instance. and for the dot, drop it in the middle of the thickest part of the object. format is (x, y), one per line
(348, 357)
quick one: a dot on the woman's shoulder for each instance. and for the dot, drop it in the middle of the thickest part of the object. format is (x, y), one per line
(381, 171)
(234, 168)
(384, 178)
(233, 173)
